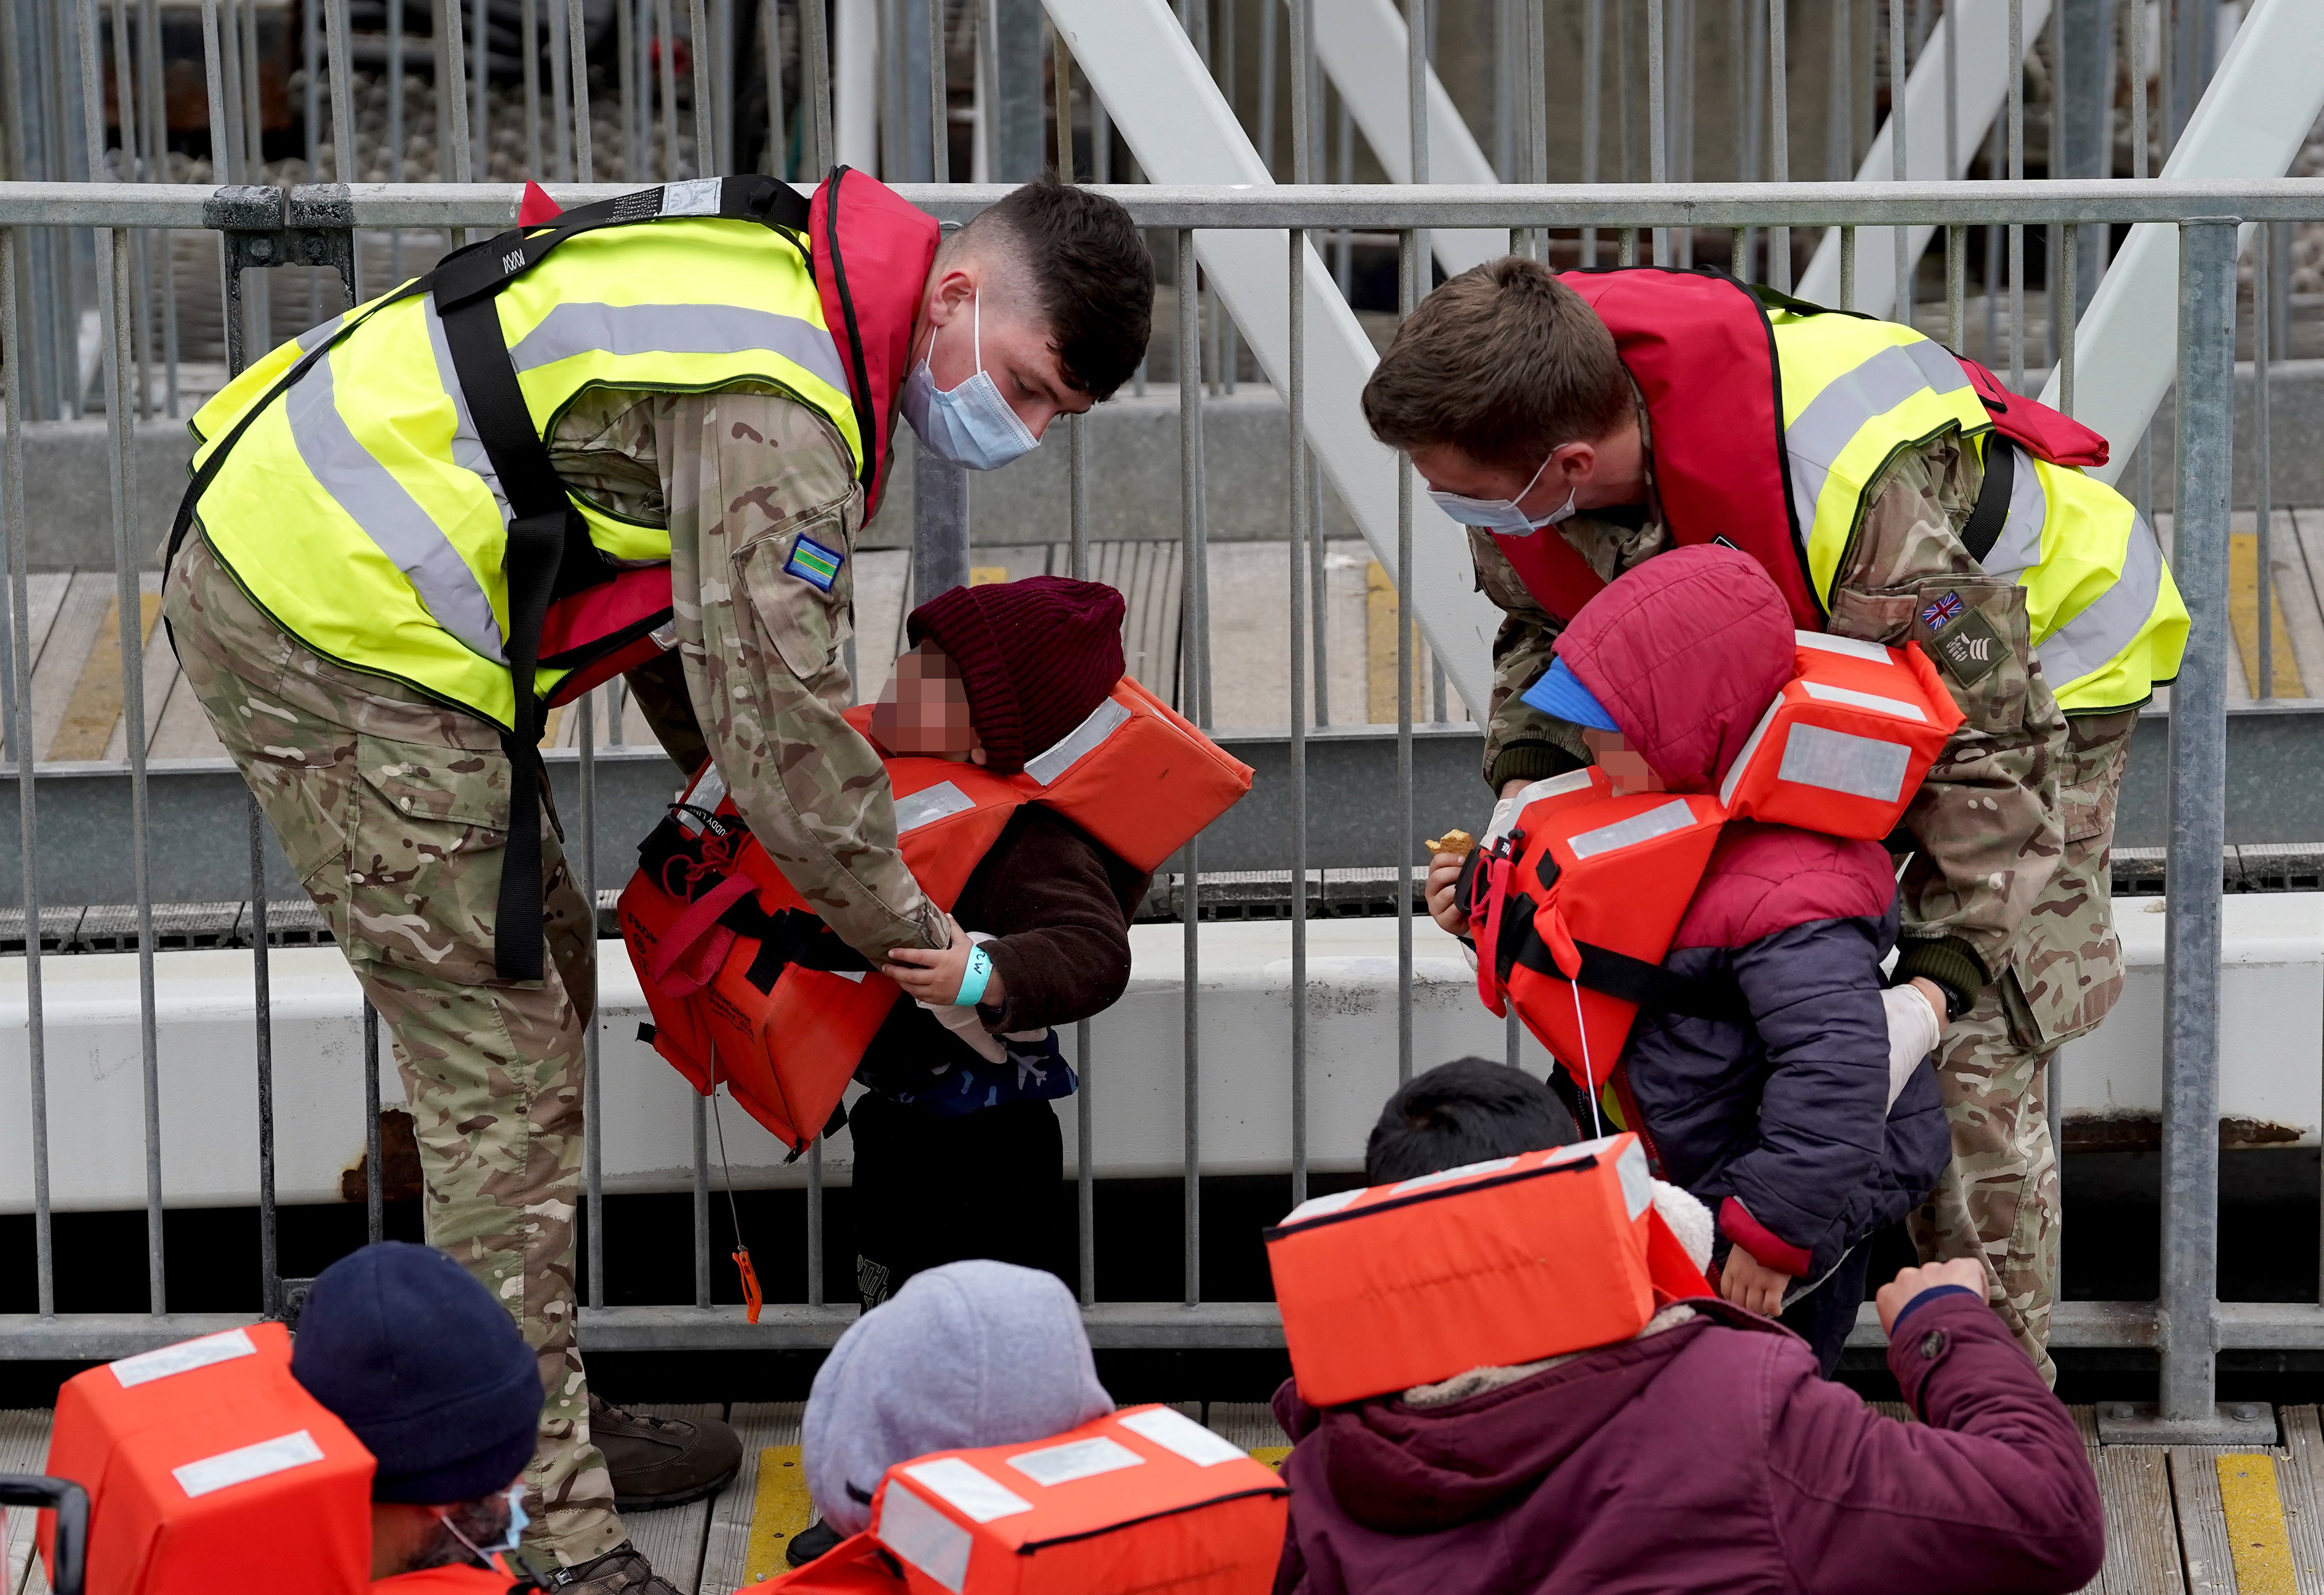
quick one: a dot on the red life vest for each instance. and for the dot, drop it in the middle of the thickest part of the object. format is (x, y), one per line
(748, 987)
(871, 294)
(1139, 1500)
(1575, 894)
(469, 1579)
(1497, 1263)
(210, 1470)
(854, 1566)
(1700, 348)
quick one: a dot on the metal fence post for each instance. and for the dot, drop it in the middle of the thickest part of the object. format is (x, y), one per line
(2187, 1317)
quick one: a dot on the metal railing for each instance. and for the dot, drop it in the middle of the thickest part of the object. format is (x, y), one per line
(2187, 1325)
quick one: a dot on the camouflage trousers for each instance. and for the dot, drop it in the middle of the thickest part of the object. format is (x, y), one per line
(1998, 1199)
(394, 810)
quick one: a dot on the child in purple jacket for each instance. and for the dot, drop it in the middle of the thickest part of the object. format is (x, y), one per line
(1704, 1454)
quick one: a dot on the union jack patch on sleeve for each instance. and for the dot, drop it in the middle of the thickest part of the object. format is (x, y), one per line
(1946, 610)
(813, 564)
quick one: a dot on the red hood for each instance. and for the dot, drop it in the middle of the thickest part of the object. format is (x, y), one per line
(1686, 652)
(878, 271)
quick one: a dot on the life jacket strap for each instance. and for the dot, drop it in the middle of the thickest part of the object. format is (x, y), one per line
(1650, 986)
(1983, 528)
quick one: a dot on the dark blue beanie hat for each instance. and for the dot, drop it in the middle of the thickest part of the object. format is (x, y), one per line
(412, 1353)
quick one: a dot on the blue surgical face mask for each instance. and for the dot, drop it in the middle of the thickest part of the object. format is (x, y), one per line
(971, 424)
(1502, 516)
(518, 1520)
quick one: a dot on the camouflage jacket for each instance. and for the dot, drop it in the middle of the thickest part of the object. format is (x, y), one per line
(742, 478)
(1988, 822)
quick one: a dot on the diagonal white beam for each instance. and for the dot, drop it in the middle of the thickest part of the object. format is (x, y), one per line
(1982, 74)
(1155, 87)
(2251, 123)
(1360, 44)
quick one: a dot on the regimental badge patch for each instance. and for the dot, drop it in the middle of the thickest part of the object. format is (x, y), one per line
(813, 564)
(1962, 638)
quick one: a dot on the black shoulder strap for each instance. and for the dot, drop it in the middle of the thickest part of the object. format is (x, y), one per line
(1983, 528)
(1655, 990)
(548, 553)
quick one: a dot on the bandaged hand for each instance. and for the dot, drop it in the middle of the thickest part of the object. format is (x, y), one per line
(1916, 1023)
(933, 976)
(1443, 877)
(1752, 1285)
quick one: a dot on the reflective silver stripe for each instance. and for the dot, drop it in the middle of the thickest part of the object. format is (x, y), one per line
(2085, 644)
(312, 338)
(1835, 416)
(388, 514)
(1658, 821)
(698, 197)
(1944, 374)
(929, 804)
(1101, 724)
(2018, 548)
(1842, 761)
(1750, 747)
(585, 328)
(1824, 692)
(467, 447)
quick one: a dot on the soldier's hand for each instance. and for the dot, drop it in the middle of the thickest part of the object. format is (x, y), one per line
(1752, 1285)
(1898, 1293)
(1443, 876)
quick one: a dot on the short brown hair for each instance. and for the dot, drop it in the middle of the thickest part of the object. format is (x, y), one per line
(1505, 362)
(1092, 276)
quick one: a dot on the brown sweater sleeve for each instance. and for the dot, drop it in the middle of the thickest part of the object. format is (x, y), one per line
(1059, 906)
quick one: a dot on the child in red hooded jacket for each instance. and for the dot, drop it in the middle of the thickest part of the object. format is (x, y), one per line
(1795, 1126)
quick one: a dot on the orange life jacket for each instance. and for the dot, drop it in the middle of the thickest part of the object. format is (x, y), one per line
(1497, 1263)
(469, 1579)
(748, 987)
(1574, 897)
(854, 1566)
(211, 1471)
(1141, 1500)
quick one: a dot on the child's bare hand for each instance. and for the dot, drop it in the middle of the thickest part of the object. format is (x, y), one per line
(1898, 1293)
(1752, 1285)
(1443, 875)
(932, 975)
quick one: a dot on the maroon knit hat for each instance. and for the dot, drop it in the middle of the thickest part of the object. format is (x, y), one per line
(1036, 657)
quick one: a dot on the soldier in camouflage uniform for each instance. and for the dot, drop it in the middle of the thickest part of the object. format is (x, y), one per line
(393, 809)
(2006, 898)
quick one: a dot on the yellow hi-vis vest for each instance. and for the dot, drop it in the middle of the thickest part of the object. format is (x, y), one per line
(2106, 620)
(359, 509)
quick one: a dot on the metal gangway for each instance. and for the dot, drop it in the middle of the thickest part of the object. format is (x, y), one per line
(95, 315)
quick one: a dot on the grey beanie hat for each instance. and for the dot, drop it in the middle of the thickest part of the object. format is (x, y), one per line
(973, 1353)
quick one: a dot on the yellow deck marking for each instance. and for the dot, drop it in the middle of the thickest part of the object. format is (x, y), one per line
(779, 1510)
(1380, 651)
(1270, 1455)
(96, 704)
(2257, 1538)
(2242, 613)
(987, 576)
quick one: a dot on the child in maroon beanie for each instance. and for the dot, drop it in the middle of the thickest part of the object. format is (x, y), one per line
(957, 1148)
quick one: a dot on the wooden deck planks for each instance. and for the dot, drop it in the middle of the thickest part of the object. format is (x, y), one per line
(23, 1448)
(734, 1554)
(672, 1538)
(2141, 1531)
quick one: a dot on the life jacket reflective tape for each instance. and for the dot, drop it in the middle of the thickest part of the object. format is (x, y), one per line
(1771, 420)
(211, 1471)
(1141, 1500)
(1844, 746)
(1501, 1262)
(746, 984)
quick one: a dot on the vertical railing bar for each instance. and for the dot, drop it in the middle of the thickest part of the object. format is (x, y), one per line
(1955, 276)
(815, 1260)
(347, 164)
(561, 90)
(1303, 527)
(1952, 92)
(593, 1070)
(814, 48)
(1657, 127)
(452, 99)
(125, 101)
(214, 98)
(149, 22)
(1847, 268)
(2017, 146)
(1416, 89)
(2069, 241)
(26, 758)
(529, 29)
(701, 1191)
(480, 104)
(779, 142)
(1408, 299)
(262, 999)
(625, 68)
(1536, 51)
(1593, 96)
(2263, 489)
(1779, 139)
(374, 1153)
(395, 128)
(708, 157)
(2134, 24)
(2056, 118)
(1739, 257)
(1084, 1136)
(1901, 308)
(939, 97)
(666, 73)
(1319, 595)
(1626, 252)
(1190, 663)
(2185, 1309)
